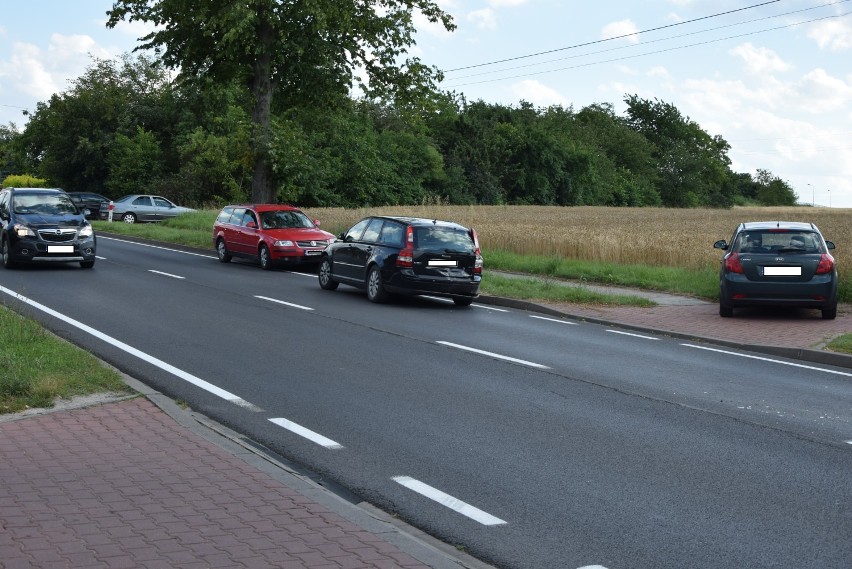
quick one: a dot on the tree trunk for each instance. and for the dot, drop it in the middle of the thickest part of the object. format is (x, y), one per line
(262, 189)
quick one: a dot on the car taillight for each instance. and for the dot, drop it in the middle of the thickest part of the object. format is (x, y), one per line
(477, 266)
(732, 263)
(826, 264)
(405, 258)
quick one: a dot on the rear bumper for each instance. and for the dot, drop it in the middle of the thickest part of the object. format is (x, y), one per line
(409, 283)
(819, 292)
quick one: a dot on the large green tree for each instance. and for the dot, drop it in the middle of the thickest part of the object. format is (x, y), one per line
(296, 52)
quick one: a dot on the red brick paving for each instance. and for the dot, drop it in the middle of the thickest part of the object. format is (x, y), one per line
(124, 485)
(791, 328)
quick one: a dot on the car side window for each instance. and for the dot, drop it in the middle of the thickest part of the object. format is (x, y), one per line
(163, 202)
(225, 215)
(391, 234)
(4, 205)
(249, 217)
(371, 234)
(354, 233)
(142, 200)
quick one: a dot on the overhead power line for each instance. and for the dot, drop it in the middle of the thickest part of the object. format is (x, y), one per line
(613, 38)
(655, 52)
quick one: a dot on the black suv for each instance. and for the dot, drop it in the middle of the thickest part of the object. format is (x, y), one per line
(43, 225)
(405, 255)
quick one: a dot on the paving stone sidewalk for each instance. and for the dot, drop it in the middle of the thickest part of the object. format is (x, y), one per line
(124, 485)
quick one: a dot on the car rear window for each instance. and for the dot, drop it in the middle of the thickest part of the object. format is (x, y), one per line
(445, 239)
(777, 241)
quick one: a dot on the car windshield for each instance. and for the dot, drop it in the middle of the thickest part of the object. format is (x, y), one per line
(444, 239)
(48, 204)
(778, 241)
(284, 219)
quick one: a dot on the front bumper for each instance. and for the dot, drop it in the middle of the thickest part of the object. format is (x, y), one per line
(38, 251)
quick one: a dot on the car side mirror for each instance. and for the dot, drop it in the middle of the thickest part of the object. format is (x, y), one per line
(316, 222)
(342, 236)
(829, 244)
(87, 212)
(251, 225)
(721, 244)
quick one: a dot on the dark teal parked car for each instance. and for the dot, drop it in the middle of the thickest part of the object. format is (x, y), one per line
(777, 263)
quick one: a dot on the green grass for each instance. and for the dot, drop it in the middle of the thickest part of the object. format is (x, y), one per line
(841, 344)
(36, 367)
(543, 289)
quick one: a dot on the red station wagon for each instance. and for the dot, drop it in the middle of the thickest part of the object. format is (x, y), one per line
(271, 234)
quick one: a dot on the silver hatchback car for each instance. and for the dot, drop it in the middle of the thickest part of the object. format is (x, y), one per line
(777, 263)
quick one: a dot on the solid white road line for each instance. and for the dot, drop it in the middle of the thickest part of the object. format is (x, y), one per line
(307, 433)
(210, 256)
(847, 374)
(446, 500)
(555, 320)
(196, 381)
(634, 335)
(165, 274)
(493, 355)
(299, 306)
(489, 308)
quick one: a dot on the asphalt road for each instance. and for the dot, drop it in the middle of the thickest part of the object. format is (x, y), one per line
(531, 441)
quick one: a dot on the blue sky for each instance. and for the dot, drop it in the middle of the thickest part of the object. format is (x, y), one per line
(772, 78)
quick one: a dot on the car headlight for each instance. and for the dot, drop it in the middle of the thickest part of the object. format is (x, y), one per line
(23, 231)
(283, 243)
(86, 231)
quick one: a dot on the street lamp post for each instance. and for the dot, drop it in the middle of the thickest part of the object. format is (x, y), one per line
(829, 198)
(813, 195)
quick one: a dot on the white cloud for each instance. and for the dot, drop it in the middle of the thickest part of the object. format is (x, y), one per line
(759, 60)
(620, 29)
(658, 71)
(538, 94)
(835, 35)
(483, 19)
(820, 93)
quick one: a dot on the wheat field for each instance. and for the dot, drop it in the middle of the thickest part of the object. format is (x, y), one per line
(645, 236)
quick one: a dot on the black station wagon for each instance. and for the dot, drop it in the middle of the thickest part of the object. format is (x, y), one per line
(778, 263)
(405, 255)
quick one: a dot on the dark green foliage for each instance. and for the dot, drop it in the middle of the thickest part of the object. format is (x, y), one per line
(128, 127)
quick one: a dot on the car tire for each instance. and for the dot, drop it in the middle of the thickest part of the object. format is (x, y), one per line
(264, 257)
(87, 264)
(324, 274)
(725, 311)
(463, 301)
(829, 313)
(6, 255)
(375, 289)
(128, 217)
(222, 251)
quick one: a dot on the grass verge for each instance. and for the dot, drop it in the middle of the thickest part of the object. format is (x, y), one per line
(842, 344)
(36, 367)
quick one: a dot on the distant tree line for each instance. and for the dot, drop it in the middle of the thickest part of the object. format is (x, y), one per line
(128, 126)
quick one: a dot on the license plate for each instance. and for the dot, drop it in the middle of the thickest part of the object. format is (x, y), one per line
(60, 248)
(439, 263)
(782, 271)
(313, 252)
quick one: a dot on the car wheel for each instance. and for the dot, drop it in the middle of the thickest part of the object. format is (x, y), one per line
(829, 313)
(375, 290)
(265, 258)
(129, 218)
(87, 264)
(325, 279)
(222, 251)
(6, 254)
(462, 301)
(725, 311)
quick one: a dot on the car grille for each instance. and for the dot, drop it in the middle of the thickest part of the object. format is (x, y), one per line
(57, 235)
(315, 243)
